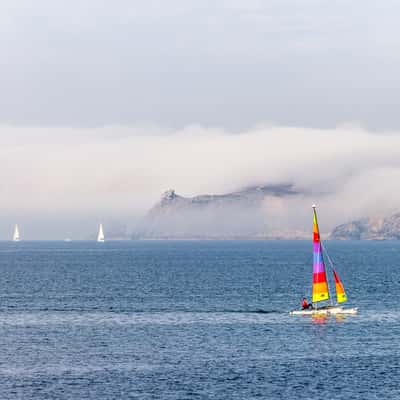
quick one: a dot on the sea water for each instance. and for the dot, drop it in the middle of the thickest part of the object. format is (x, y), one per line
(194, 320)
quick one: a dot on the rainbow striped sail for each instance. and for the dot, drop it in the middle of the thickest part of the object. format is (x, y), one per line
(340, 293)
(320, 285)
(320, 291)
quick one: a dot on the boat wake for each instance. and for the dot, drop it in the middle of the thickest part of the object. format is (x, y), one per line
(266, 312)
(86, 318)
(149, 310)
(258, 311)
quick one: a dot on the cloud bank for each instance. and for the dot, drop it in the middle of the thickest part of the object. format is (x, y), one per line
(58, 182)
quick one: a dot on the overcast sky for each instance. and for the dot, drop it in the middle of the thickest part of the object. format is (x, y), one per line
(105, 104)
(231, 63)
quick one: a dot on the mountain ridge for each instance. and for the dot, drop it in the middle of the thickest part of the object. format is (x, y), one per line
(234, 215)
(369, 228)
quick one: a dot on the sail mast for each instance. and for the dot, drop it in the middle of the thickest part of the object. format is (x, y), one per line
(320, 291)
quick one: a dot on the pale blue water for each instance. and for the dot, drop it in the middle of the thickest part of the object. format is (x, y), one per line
(194, 320)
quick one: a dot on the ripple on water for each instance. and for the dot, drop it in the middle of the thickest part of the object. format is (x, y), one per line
(194, 320)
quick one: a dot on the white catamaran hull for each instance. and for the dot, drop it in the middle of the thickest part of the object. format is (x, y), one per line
(332, 310)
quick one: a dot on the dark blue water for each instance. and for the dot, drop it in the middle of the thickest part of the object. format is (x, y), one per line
(194, 320)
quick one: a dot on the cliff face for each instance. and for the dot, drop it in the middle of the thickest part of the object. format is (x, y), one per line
(171, 202)
(231, 215)
(253, 212)
(369, 229)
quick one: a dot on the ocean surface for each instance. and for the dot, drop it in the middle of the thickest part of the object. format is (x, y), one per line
(194, 320)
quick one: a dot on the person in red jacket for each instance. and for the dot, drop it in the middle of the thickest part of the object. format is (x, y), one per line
(305, 305)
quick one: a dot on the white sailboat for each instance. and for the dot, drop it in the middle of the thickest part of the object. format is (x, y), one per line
(100, 236)
(16, 237)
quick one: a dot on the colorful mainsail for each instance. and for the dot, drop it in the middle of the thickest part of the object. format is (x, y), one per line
(320, 286)
(340, 293)
(320, 291)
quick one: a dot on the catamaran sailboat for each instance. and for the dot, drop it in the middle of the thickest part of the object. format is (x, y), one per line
(100, 236)
(16, 237)
(320, 287)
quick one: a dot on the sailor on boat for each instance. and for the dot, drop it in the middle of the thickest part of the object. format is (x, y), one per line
(305, 305)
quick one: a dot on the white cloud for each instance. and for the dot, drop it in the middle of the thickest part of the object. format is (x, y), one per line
(119, 172)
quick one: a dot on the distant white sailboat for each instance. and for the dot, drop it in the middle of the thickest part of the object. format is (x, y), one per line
(100, 236)
(16, 237)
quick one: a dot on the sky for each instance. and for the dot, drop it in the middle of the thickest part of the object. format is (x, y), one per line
(104, 105)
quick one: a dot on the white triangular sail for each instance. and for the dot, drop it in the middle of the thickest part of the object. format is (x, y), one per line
(16, 237)
(100, 236)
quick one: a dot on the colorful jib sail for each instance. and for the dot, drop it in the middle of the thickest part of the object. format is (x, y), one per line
(340, 293)
(320, 291)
